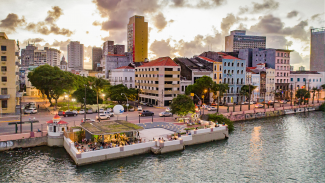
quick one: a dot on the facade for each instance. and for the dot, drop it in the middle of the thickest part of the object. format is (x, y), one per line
(307, 80)
(302, 68)
(56, 127)
(217, 72)
(248, 76)
(119, 49)
(109, 50)
(96, 56)
(40, 57)
(292, 68)
(234, 74)
(9, 53)
(113, 61)
(27, 55)
(246, 54)
(123, 75)
(75, 55)
(52, 56)
(184, 84)
(137, 38)
(108, 47)
(279, 60)
(158, 81)
(270, 84)
(83, 73)
(317, 49)
(239, 40)
(256, 82)
(63, 64)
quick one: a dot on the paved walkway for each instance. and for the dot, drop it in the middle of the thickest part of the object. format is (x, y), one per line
(149, 134)
(164, 125)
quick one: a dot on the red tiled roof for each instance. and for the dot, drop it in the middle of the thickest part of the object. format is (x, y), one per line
(116, 55)
(51, 121)
(62, 122)
(56, 116)
(226, 56)
(207, 59)
(162, 61)
(125, 67)
(260, 64)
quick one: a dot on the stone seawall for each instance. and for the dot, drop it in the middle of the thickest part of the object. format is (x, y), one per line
(23, 143)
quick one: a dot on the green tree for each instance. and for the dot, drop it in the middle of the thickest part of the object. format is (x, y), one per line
(248, 90)
(91, 97)
(323, 86)
(98, 84)
(200, 86)
(302, 94)
(221, 119)
(182, 105)
(314, 89)
(115, 93)
(220, 89)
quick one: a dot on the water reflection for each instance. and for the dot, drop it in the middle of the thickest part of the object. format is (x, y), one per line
(256, 145)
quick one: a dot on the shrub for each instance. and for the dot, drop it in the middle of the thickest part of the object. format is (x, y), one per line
(322, 107)
(221, 119)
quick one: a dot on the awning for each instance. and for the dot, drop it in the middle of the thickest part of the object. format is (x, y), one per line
(4, 97)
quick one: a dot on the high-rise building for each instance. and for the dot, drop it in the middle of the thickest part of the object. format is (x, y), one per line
(40, 57)
(27, 55)
(108, 47)
(52, 56)
(119, 49)
(317, 50)
(97, 53)
(137, 38)
(239, 40)
(75, 55)
(9, 74)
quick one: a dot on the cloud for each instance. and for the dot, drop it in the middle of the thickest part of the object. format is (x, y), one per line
(118, 36)
(279, 42)
(227, 22)
(267, 5)
(159, 21)
(162, 48)
(171, 21)
(179, 3)
(11, 22)
(316, 16)
(293, 13)
(87, 32)
(269, 24)
(298, 60)
(48, 26)
(204, 4)
(96, 23)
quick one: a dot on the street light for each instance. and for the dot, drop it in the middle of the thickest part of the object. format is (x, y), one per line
(73, 100)
(127, 106)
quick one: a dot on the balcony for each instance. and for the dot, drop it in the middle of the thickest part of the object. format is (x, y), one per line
(2, 97)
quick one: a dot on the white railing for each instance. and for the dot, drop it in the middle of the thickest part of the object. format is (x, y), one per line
(100, 152)
(139, 146)
(171, 143)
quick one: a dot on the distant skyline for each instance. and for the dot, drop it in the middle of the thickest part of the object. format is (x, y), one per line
(176, 27)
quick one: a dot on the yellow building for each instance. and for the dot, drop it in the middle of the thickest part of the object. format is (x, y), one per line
(137, 38)
(217, 72)
(9, 74)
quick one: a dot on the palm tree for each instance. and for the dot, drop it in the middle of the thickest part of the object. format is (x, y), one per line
(98, 85)
(242, 92)
(221, 89)
(314, 89)
(318, 90)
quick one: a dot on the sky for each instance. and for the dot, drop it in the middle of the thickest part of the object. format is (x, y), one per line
(176, 27)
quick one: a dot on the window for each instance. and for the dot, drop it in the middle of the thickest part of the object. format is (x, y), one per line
(313, 80)
(219, 76)
(242, 64)
(237, 64)
(178, 69)
(157, 69)
(298, 79)
(242, 71)
(3, 58)
(182, 88)
(3, 48)
(3, 68)
(320, 79)
(303, 79)
(219, 67)
(225, 64)
(130, 85)
(278, 61)
(168, 69)
(215, 67)
(225, 71)
(232, 64)
(237, 71)
(228, 63)
(168, 76)
(4, 104)
(291, 79)
(4, 79)
(4, 91)
(126, 78)
(215, 76)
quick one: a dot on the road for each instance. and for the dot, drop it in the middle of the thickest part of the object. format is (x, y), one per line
(133, 117)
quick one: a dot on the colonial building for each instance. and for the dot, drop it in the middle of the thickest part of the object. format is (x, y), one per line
(123, 75)
(158, 81)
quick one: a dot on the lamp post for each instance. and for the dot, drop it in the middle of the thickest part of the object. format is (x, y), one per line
(73, 100)
(127, 106)
(85, 103)
(68, 100)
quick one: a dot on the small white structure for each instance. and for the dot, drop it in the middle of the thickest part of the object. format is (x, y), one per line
(56, 127)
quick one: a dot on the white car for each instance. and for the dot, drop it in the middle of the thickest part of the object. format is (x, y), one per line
(30, 111)
(75, 111)
(168, 109)
(143, 103)
(110, 114)
(139, 108)
(212, 109)
(102, 116)
(165, 114)
(82, 111)
(101, 110)
(283, 102)
(109, 110)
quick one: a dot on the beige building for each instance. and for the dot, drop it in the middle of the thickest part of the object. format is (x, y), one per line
(9, 74)
(270, 84)
(158, 81)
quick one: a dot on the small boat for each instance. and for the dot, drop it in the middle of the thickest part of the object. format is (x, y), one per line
(300, 110)
(310, 109)
(289, 111)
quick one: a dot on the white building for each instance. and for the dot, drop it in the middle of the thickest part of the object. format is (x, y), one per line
(307, 80)
(270, 84)
(123, 75)
(56, 127)
(75, 55)
(52, 56)
(256, 82)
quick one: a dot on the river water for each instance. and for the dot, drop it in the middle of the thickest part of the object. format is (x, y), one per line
(281, 149)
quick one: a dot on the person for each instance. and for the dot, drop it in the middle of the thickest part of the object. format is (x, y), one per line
(38, 106)
(116, 145)
(189, 133)
(159, 139)
(153, 138)
(162, 138)
(196, 128)
(101, 147)
(38, 130)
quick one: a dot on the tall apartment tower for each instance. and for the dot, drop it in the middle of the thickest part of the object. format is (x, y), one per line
(317, 50)
(239, 40)
(108, 47)
(9, 74)
(52, 56)
(96, 57)
(137, 38)
(75, 55)
(27, 55)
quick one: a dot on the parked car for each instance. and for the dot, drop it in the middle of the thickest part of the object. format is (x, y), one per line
(30, 111)
(75, 111)
(131, 109)
(89, 111)
(146, 113)
(149, 105)
(212, 109)
(101, 110)
(276, 101)
(213, 104)
(251, 102)
(258, 106)
(87, 120)
(69, 113)
(102, 116)
(110, 114)
(283, 102)
(82, 111)
(165, 114)
(61, 113)
(139, 108)
(109, 110)
(143, 103)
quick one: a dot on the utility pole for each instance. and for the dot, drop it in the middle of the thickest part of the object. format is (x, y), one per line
(85, 104)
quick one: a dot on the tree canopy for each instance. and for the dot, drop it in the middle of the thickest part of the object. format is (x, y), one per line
(199, 86)
(115, 92)
(91, 96)
(247, 90)
(182, 105)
